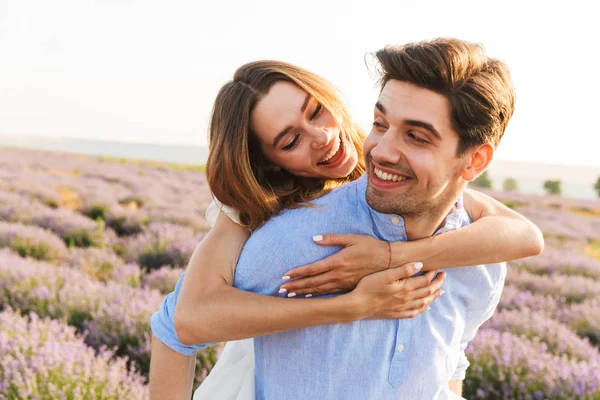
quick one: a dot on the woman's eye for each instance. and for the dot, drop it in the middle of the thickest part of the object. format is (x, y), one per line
(317, 111)
(292, 143)
(417, 139)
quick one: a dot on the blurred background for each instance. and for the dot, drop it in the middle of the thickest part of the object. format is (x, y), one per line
(103, 117)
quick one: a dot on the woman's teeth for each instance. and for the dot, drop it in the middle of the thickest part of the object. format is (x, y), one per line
(333, 151)
(384, 176)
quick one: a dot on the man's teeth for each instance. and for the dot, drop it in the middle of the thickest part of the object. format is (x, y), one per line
(384, 176)
(333, 151)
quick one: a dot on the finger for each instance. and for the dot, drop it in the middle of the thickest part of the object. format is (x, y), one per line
(316, 268)
(402, 272)
(328, 288)
(419, 303)
(336, 239)
(309, 283)
(429, 289)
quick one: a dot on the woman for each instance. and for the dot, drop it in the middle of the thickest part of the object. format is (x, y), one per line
(279, 137)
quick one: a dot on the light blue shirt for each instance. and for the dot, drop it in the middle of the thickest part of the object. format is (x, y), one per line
(369, 359)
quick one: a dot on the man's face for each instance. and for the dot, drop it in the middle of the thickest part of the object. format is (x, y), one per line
(411, 152)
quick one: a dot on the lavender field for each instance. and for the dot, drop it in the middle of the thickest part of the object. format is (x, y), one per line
(89, 247)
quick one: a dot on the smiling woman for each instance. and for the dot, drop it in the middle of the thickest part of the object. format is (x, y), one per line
(297, 135)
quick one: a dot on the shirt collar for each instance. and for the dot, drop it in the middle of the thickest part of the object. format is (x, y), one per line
(394, 223)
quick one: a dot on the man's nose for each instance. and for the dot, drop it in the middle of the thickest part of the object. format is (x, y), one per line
(387, 150)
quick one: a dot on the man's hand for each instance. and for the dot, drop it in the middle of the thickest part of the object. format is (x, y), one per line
(396, 294)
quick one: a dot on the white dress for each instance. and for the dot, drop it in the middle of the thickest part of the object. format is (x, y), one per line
(232, 377)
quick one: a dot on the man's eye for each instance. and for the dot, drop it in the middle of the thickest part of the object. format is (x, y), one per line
(377, 124)
(317, 111)
(292, 143)
(417, 139)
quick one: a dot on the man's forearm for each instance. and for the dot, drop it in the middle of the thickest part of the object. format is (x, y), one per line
(228, 313)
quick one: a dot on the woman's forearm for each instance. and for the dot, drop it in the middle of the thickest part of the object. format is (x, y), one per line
(226, 313)
(490, 240)
(171, 374)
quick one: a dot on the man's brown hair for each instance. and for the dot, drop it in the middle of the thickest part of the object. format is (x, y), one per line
(479, 88)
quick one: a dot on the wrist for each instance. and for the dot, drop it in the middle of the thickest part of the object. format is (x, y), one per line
(350, 307)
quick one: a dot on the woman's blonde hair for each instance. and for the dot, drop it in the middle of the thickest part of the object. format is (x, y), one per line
(238, 173)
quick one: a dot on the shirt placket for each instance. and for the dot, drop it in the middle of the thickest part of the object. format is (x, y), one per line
(403, 339)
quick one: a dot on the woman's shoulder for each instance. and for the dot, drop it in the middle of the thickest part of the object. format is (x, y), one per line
(212, 212)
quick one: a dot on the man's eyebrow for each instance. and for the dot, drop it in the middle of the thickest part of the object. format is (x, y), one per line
(284, 132)
(380, 107)
(424, 125)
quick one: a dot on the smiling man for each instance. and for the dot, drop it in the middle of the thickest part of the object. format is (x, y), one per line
(443, 108)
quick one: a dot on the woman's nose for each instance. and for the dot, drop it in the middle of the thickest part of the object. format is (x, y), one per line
(320, 138)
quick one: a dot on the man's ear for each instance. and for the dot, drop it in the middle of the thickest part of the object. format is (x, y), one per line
(479, 160)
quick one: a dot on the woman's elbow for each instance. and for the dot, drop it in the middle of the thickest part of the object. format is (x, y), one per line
(536, 243)
(188, 332)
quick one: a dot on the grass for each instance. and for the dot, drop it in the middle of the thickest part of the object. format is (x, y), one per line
(592, 249)
(586, 212)
(156, 164)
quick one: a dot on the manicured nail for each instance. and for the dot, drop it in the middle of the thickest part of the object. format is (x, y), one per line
(318, 238)
(291, 294)
(418, 265)
(308, 295)
(442, 292)
(282, 290)
(286, 278)
(428, 308)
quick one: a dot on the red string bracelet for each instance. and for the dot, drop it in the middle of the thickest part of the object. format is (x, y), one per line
(390, 255)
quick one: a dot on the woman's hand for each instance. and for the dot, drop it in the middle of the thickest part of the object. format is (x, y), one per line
(361, 255)
(390, 294)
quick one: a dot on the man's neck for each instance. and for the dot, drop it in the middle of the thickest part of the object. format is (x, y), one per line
(424, 225)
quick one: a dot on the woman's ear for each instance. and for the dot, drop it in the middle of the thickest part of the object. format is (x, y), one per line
(479, 160)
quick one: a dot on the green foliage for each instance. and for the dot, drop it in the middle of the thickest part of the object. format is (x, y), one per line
(28, 248)
(483, 180)
(597, 186)
(510, 185)
(97, 211)
(553, 187)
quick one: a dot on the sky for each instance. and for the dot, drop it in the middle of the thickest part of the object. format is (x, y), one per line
(148, 71)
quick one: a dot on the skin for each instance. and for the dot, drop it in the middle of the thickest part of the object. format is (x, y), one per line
(311, 134)
(210, 309)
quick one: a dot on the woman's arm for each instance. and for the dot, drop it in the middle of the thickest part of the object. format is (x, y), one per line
(209, 309)
(497, 234)
(171, 374)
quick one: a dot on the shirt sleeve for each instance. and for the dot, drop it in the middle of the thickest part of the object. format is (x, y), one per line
(163, 326)
(212, 213)
(475, 318)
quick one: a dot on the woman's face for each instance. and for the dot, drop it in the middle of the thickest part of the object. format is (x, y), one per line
(299, 135)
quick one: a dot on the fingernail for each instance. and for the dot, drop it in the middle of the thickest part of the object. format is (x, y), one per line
(318, 238)
(442, 292)
(308, 295)
(428, 308)
(291, 294)
(282, 290)
(286, 278)
(418, 265)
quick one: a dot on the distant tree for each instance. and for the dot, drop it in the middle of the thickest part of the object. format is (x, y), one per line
(510, 185)
(597, 186)
(483, 180)
(553, 187)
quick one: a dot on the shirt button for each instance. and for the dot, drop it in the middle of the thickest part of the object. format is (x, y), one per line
(400, 348)
(395, 220)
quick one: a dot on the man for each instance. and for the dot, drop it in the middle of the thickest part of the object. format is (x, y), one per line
(443, 108)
